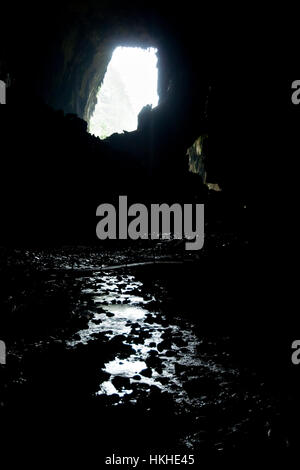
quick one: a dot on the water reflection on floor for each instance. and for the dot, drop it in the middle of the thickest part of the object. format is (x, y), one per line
(164, 353)
(125, 345)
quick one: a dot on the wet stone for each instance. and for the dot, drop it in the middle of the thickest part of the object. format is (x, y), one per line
(136, 340)
(162, 380)
(97, 335)
(118, 339)
(100, 309)
(144, 334)
(146, 372)
(170, 353)
(154, 390)
(166, 333)
(153, 362)
(121, 382)
(167, 344)
(179, 342)
(153, 353)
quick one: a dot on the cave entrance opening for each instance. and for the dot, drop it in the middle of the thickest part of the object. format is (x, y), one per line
(130, 83)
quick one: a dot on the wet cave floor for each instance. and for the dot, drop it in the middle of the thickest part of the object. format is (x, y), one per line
(109, 360)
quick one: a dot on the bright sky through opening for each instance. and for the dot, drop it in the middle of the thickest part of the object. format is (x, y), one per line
(130, 84)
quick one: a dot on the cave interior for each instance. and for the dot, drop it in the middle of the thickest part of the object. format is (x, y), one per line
(54, 65)
(55, 174)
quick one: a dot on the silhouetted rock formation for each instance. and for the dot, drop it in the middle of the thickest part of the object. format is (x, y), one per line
(60, 173)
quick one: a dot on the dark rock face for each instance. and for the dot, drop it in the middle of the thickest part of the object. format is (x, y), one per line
(53, 90)
(67, 53)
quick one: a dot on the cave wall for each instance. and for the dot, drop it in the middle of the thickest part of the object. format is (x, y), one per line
(58, 53)
(54, 57)
(197, 154)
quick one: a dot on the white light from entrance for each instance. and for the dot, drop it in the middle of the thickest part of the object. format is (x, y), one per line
(130, 83)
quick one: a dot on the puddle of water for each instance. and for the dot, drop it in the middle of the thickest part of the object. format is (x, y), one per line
(108, 388)
(143, 331)
(117, 305)
(126, 312)
(126, 368)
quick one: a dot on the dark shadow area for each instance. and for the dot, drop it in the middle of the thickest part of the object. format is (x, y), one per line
(204, 322)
